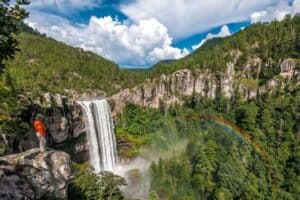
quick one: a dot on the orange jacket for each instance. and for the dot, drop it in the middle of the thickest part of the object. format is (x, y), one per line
(39, 127)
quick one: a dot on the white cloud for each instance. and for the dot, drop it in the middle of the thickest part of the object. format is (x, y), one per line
(146, 37)
(142, 43)
(224, 32)
(187, 17)
(64, 5)
(257, 16)
(278, 11)
(296, 6)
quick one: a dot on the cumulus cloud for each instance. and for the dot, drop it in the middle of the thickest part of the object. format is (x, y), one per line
(224, 32)
(184, 18)
(278, 11)
(146, 36)
(139, 44)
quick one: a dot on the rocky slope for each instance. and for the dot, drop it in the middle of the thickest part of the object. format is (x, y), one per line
(32, 175)
(170, 89)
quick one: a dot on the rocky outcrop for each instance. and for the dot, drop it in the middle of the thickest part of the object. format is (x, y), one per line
(64, 122)
(62, 116)
(32, 175)
(169, 89)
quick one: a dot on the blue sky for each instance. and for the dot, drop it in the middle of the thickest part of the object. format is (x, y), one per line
(139, 33)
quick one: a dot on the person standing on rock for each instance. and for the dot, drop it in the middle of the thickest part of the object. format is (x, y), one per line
(40, 130)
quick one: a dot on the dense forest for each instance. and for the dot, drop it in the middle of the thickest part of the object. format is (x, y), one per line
(194, 158)
(43, 64)
(218, 162)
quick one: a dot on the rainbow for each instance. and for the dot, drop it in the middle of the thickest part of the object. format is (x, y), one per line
(241, 133)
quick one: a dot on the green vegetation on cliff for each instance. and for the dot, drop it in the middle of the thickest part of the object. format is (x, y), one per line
(271, 42)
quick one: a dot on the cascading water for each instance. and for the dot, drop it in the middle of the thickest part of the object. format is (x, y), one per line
(100, 134)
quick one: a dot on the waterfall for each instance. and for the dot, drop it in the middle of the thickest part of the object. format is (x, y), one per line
(100, 134)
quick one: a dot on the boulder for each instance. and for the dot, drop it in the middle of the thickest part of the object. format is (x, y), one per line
(34, 174)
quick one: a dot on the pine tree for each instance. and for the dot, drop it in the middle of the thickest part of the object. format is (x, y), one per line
(10, 18)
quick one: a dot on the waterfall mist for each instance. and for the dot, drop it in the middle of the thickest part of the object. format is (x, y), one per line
(103, 149)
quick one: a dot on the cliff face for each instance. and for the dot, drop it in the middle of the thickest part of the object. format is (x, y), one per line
(64, 118)
(171, 88)
(64, 122)
(65, 125)
(32, 175)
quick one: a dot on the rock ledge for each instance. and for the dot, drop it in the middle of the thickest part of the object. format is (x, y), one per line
(34, 174)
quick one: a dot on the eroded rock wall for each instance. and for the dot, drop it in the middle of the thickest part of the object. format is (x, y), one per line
(171, 88)
(65, 127)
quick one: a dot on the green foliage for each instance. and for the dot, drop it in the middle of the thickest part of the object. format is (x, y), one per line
(10, 108)
(10, 17)
(85, 186)
(247, 115)
(139, 127)
(223, 194)
(104, 186)
(271, 42)
(153, 196)
(139, 121)
(217, 162)
(45, 65)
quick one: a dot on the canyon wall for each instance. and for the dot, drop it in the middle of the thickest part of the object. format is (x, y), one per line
(64, 117)
(169, 89)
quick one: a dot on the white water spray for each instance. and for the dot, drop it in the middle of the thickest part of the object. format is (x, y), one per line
(103, 153)
(100, 135)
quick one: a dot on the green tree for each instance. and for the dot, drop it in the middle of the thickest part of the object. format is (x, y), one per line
(153, 196)
(104, 186)
(247, 115)
(10, 18)
(110, 185)
(222, 194)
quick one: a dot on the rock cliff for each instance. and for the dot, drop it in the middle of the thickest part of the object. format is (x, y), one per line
(64, 118)
(64, 122)
(32, 175)
(171, 88)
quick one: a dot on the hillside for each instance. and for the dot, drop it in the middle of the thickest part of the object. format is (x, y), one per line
(237, 104)
(222, 123)
(271, 42)
(260, 59)
(45, 65)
